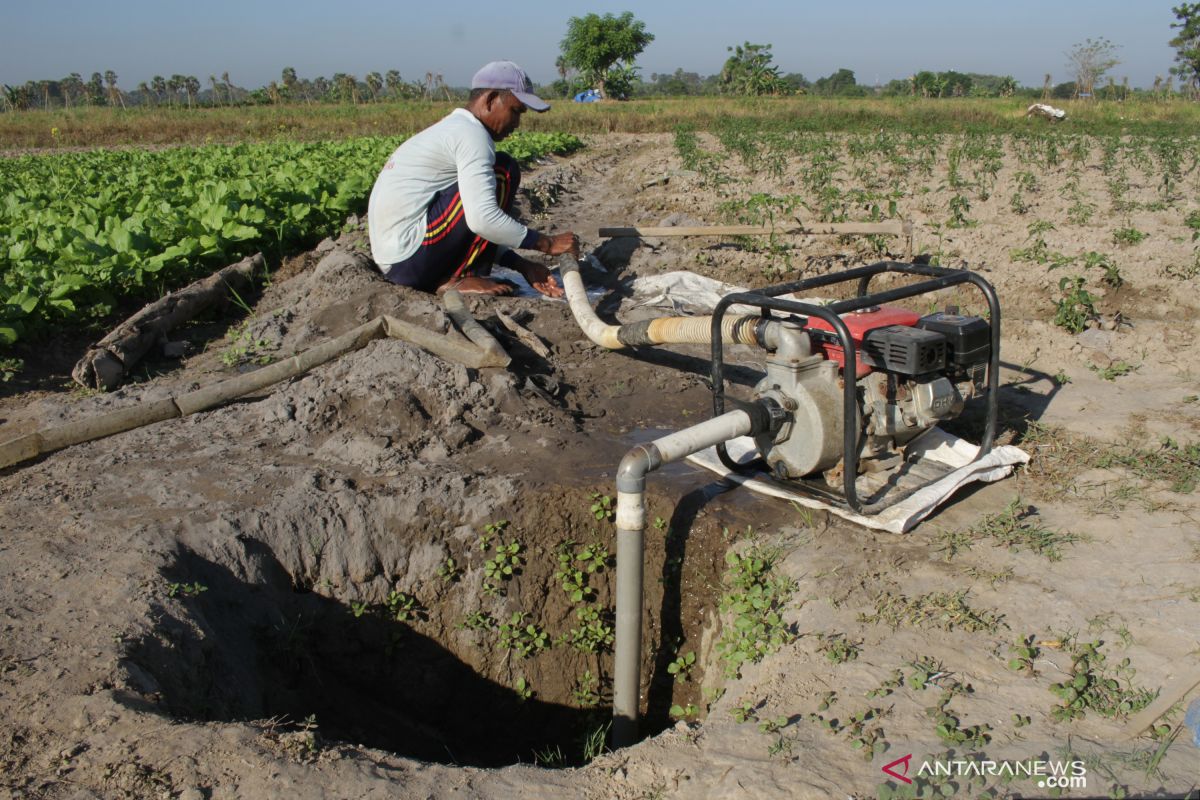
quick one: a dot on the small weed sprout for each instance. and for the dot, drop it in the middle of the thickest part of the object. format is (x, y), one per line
(449, 571)
(602, 507)
(586, 692)
(682, 666)
(404, 607)
(523, 690)
(593, 634)
(1129, 236)
(744, 713)
(1075, 307)
(1092, 684)
(684, 712)
(1116, 369)
(1022, 655)
(943, 610)
(837, 648)
(477, 621)
(524, 638)
(358, 608)
(755, 598)
(186, 589)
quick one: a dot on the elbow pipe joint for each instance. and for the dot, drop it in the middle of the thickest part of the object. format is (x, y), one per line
(631, 474)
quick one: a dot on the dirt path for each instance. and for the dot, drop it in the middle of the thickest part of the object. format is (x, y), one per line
(302, 594)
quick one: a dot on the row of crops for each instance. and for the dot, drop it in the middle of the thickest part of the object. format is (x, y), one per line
(81, 232)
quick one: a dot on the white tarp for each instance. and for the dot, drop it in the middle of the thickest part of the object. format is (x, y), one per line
(935, 446)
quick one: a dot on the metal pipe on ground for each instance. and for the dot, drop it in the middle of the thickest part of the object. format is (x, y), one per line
(631, 525)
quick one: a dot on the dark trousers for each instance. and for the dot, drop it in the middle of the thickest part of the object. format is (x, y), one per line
(451, 250)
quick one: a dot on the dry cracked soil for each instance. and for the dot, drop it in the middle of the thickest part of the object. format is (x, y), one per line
(304, 593)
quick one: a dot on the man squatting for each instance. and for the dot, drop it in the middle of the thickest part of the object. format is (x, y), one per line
(440, 212)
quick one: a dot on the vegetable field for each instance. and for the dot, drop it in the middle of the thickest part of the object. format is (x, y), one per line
(79, 232)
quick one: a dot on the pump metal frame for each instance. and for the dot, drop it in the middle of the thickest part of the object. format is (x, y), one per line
(768, 300)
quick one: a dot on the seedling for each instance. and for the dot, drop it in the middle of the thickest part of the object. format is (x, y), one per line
(358, 608)
(944, 610)
(501, 567)
(1076, 306)
(526, 639)
(1129, 236)
(449, 571)
(755, 598)
(1094, 685)
(924, 672)
(1112, 273)
(523, 690)
(773, 724)
(478, 621)
(1022, 655)
(744, 713)
(948, 728)
(1115, 370)
(837, 648)
(593, 634)
(602, 507)
(404, 607)
(884, 689)
(186, 589)
(585, 692)
(683, 712)
(682, 666)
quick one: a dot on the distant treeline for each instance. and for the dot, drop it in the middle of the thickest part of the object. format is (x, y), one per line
(102, 89)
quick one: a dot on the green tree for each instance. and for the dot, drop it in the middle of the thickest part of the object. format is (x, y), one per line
(594, 45)
(749, 71)
(1187, 45)
(1089, 61)
(841, 82)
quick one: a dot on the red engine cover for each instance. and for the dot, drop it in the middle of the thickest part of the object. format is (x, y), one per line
(859, 323)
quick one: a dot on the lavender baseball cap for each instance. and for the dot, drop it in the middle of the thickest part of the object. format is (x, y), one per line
(507, 75)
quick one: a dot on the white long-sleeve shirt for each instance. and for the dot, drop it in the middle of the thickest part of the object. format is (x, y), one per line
(457, 148)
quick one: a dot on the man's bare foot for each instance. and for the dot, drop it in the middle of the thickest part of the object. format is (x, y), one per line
(473, 284)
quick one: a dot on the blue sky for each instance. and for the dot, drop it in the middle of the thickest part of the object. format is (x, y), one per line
(254, 39)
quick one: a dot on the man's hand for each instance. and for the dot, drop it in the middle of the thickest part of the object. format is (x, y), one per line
(539, 278)
(557, 245)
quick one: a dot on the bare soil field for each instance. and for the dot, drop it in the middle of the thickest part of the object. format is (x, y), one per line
(351, 584)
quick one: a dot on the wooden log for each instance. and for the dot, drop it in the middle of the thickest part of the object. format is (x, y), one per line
(524, 335)
(106, 363)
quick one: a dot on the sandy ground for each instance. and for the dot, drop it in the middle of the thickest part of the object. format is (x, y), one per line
(197, 608)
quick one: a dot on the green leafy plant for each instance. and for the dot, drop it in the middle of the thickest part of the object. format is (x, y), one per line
(754, 599)
(838, 648)
(602, 507)
(1092, 684)
(593, 633)
(1075, 307)
(523, 689)
(194, 589)
(1116, 369)
(524, 638)
(1022, 655)
(404, 607)
(449, 571)
(586, 692)
(684, 712)
(682, 666)
(478, 621)
(1129, 236)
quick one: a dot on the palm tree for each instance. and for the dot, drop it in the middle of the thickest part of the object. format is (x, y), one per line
(375, 84)
(144, 91)
(228, 87)
(174, 86)
(393, 82)
(114, 94)
(191, 85)
(158, 85)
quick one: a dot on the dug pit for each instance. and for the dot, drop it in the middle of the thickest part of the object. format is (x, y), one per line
(468, 644)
